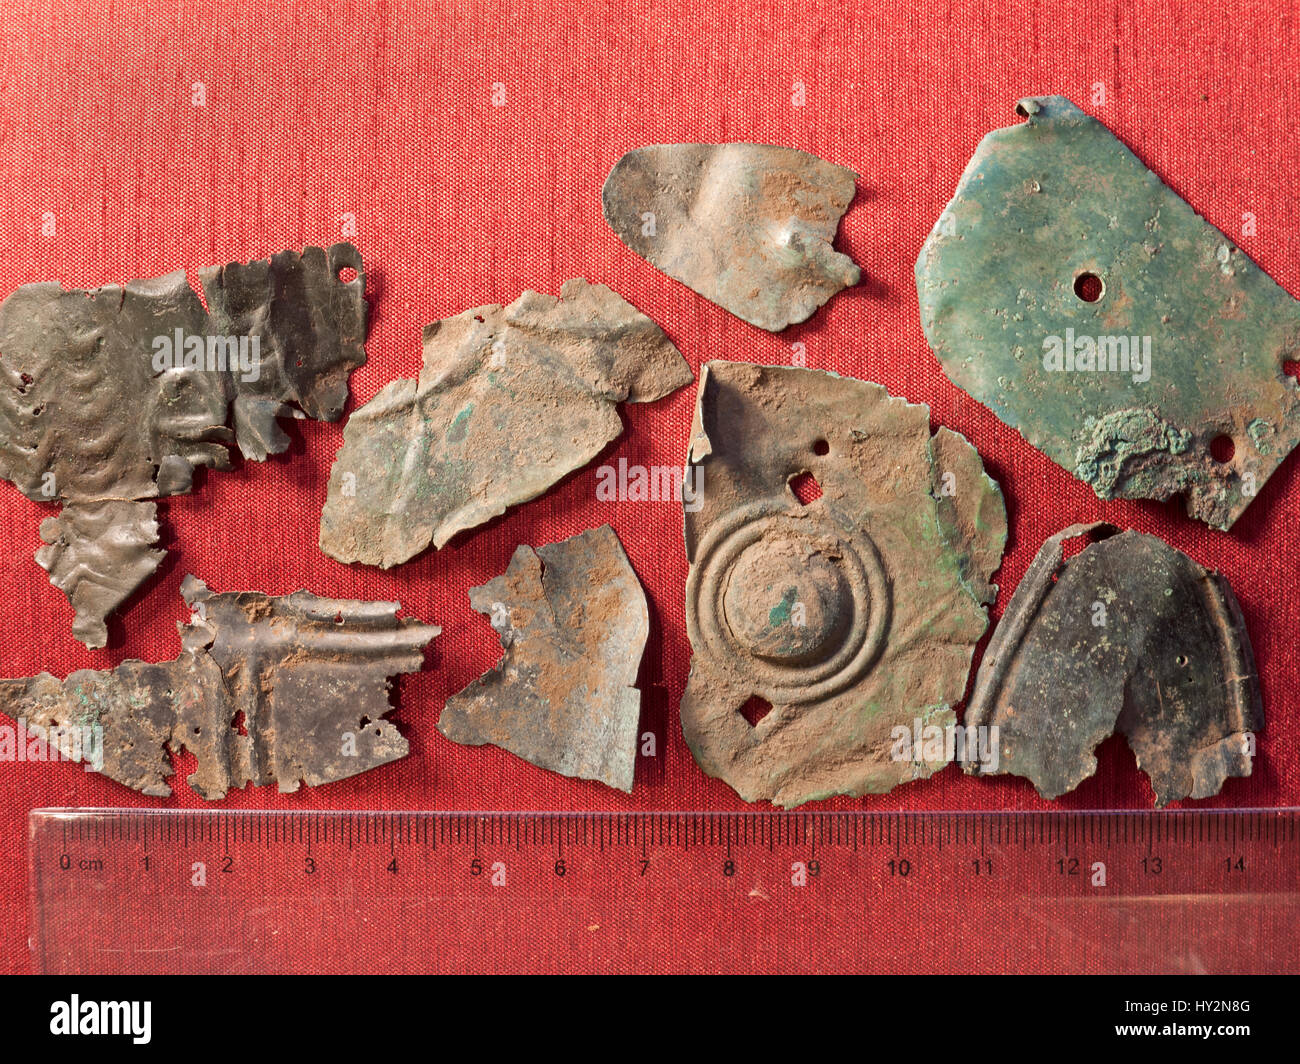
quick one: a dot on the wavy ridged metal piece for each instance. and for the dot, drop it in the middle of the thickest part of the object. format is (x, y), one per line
(116, 395)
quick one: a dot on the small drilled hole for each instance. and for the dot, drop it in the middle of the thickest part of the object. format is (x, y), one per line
(805, 488)
(821, 447)
(1088, 287)
(347, 274)
(1222, 449)
(755, 709)
(1182, 661)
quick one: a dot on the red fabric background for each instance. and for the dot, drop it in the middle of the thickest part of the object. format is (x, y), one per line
(384, 110)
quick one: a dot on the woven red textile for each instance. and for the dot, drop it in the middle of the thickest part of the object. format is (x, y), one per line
(385, 111)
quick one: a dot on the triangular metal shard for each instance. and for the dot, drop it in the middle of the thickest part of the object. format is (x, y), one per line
(748, 226)
(267, 689)
(114, 396)
(853, 615)
(1129, 634)
(1079, 298)
(573, 620)
(509, 401)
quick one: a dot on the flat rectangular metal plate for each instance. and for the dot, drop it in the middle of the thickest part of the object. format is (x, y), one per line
(125, 891)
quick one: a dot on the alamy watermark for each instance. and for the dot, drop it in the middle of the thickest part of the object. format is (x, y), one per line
(59, 742)
(1098, 354)
(114, 1018)
(232, 354)
(622, 482)
(931, 744)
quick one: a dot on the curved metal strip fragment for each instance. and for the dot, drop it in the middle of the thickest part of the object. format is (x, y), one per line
(509, 401)
(1078, 297)
(747, 226)
(573, 620)
(855, 615)
(1130, 634)
(267, 689)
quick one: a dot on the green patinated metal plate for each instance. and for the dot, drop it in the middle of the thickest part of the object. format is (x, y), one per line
(1072, 292)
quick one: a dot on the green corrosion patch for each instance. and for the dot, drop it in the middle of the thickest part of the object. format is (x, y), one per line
(1261, 434)
(459, 425)
(1116, 440)
(780, 613)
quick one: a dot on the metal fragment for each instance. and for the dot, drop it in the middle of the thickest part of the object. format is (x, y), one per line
(853, 616)
(112, 396)
(267, 689)
(747, 226)
(97, 553)
(573, 620)
(1067, 288)
(1130, 634)
(509, 401)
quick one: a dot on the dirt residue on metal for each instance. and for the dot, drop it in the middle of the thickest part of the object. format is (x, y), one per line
(510, 400)
(573, 620)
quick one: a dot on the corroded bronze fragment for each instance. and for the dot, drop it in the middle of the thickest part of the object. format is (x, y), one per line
(114, 396)
(509, 401)
(1091, 308)
(853, 616)
(1128, 634)
(748, 226)
(573, 620)
(267, 689)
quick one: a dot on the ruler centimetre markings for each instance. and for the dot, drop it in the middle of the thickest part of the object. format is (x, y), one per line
(296, 890)
(687, 830)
